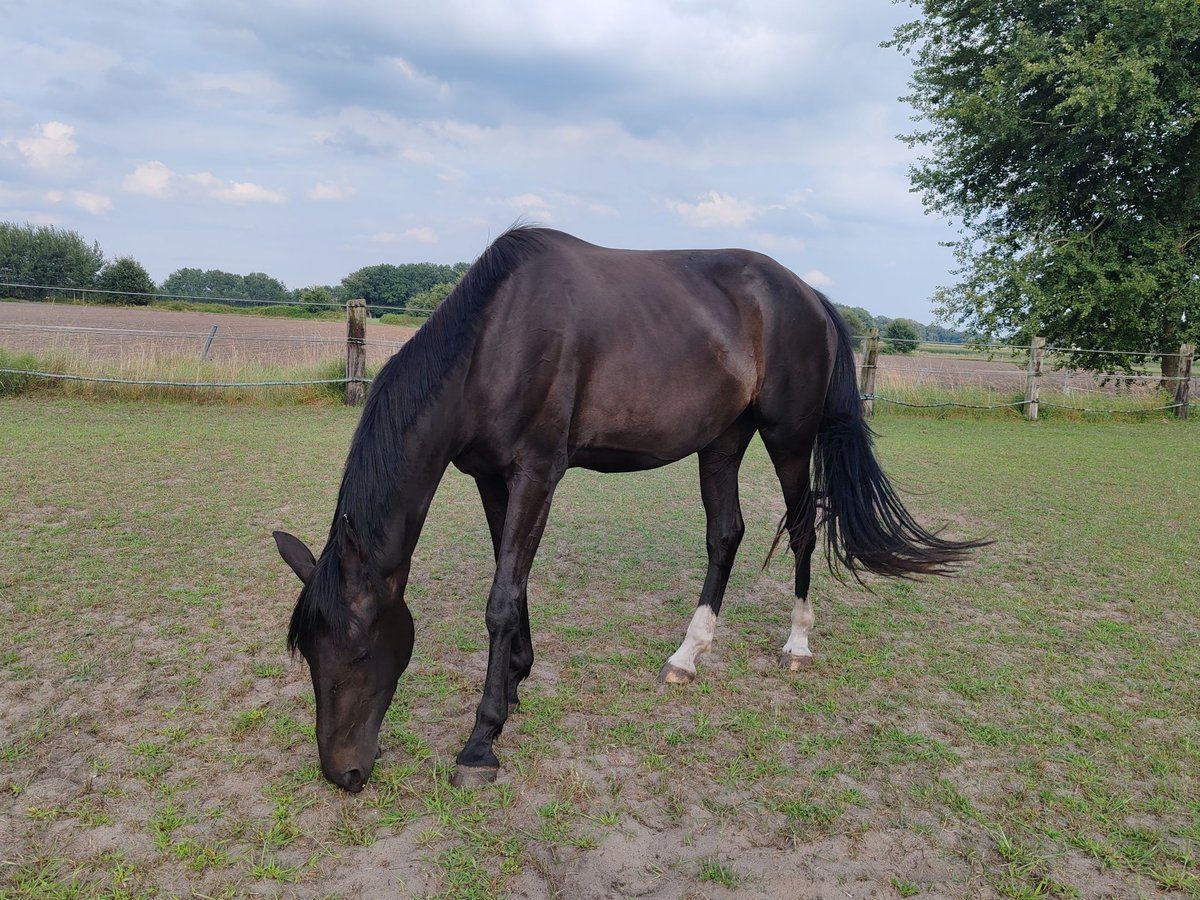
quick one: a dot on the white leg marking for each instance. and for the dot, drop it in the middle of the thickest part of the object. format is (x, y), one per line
(698, 641)
(802, 623)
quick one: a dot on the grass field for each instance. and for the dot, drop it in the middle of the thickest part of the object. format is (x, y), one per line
(1028, 729)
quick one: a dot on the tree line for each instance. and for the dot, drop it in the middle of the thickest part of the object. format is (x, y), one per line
(45, 256)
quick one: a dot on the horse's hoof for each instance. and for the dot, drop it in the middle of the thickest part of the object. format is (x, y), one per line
(473, 776)
(794, 663)
(671, 674)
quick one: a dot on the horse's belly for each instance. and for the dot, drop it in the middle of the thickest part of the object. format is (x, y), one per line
(652, 430)
(607, 459)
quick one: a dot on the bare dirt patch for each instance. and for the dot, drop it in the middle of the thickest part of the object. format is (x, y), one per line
(111, 334)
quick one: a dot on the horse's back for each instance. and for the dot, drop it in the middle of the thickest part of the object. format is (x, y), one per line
(641, 357)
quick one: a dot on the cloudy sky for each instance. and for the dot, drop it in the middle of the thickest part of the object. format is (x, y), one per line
(308, 139)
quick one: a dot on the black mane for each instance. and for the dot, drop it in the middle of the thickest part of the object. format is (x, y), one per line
(407, 384)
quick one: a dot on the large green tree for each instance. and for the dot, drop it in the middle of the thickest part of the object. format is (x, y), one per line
(389, 285)
(1065, 134)
(262, 287)
(205, 284)
(127, 281)
(45, 255)
(901, 336)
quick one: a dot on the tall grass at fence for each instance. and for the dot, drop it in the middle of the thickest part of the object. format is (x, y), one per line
(974, 402)
(937, 382)
(146, 374)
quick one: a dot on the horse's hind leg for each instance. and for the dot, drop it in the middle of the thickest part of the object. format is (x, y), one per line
(792, 468)
(719, 464)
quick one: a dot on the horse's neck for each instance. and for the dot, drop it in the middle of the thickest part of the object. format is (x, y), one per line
(398, 511)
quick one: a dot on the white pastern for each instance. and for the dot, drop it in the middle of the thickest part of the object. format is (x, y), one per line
(698, 641)
(802, 624)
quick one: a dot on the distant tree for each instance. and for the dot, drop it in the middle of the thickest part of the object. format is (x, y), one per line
(45, 255)
(380, 285)
(389, 285)
(261, 287)
(868, 320)
(855, 323)
(941, 335)
(428, 301)
(315, 298)
(335, 292)
(901, 336)
(210, 284)
(126, 276)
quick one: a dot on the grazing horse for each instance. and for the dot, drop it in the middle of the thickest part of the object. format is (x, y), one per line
(552, 353)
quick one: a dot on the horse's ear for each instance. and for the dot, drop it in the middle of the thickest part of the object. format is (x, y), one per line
(295, 554)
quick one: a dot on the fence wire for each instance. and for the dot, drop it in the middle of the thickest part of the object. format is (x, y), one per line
(104, 379)
(63, 291)
(942, 376)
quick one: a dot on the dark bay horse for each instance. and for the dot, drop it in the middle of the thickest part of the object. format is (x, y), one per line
(553, 353)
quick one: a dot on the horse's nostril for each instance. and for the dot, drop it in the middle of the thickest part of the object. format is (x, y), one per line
(353, 780)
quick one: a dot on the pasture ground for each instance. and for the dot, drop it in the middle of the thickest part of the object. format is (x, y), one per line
(118, 333)
(1028, 729)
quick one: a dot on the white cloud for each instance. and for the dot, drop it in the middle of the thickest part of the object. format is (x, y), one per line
(420, 235)
(234, 191)
(96, 204)
(327, 191)
(716, 210)
(439, 89)
(533, 206)
(151, 179)
(220, 86)
(777, 243)
(817, 278)
(157, 180)
(52, 148)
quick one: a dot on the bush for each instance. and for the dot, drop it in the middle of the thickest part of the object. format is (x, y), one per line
(900, 336)
(400, 319)
(129, 281)
(315, 298)
(432, 298)
(855, 323)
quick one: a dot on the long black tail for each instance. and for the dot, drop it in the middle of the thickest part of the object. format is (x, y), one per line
(865, 524)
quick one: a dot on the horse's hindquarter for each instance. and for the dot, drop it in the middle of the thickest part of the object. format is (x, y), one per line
(621, 360)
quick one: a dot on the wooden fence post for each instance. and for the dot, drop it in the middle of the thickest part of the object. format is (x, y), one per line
(867, 377)
(1034, 377)
(1185, 380)
(356, 351)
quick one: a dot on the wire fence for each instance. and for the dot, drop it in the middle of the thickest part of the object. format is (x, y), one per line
(270, 353)
(944, 377)
(81, 294)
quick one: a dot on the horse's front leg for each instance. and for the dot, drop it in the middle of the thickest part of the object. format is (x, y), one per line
(494, 494)
(524, 522)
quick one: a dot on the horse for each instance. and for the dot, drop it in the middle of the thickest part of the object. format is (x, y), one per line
(552, 353)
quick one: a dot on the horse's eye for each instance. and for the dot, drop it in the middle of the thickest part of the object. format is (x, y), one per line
(361, 658)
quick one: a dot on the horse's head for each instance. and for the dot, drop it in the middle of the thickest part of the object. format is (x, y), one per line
(356, 633)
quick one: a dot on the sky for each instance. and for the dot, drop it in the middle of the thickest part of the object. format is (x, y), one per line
(309, 139)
